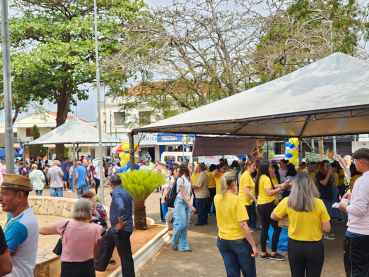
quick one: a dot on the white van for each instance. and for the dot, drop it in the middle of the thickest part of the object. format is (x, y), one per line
(175, 156)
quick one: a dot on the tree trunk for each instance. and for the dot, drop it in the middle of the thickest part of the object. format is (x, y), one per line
(140, 216)
(321, 148)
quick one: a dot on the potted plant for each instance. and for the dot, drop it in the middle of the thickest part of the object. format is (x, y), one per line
(140, 184)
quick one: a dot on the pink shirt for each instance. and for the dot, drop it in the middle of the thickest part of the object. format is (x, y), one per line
(78, 240)
(3, 170)
(358, 210)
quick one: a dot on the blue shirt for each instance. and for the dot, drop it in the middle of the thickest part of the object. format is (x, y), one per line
(121, 209)
(81, 176)
(64, 167)
(170, 163)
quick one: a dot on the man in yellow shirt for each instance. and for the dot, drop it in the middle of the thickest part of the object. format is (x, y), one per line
(218, 173)
(302, 167)
(202, 194)
(211, 188)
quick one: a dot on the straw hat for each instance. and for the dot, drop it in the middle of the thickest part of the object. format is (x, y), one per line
(16, 182)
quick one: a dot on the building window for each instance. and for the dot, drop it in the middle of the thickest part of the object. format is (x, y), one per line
(144, 117)
(28, 132)
(119, 118)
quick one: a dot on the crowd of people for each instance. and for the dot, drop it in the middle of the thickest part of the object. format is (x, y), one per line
(306, 194)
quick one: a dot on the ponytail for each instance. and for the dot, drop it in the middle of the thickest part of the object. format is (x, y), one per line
(225, 182)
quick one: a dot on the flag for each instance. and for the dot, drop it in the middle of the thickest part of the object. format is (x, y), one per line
(20, 150)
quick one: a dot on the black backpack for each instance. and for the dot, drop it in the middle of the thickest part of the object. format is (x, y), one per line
(171, 196)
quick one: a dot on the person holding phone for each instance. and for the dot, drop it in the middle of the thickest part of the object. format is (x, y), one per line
(235, 242)
(337, 215)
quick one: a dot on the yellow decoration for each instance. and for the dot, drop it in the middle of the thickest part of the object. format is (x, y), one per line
(125, 147)
(294, 152)
(125, 156)
(136, 161)
(296, 163)
(121, 155)
(291, 140)
(123, 163)
(292, 160)
(296, 141)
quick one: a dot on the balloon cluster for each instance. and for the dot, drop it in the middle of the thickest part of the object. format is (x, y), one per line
(125, 162)
(292, 153)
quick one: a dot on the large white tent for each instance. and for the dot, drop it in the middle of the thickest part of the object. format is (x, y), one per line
(74, 132)
(328, 97)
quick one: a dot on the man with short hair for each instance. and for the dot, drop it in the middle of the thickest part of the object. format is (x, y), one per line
(202, 195)
(120, 232)
(87, 166)
(170, 163)
(302, 167)
(89, 157)
(145, 165)
(80, 179)
(21, 228)
(55, 176)
(356, 254)
(65, 169)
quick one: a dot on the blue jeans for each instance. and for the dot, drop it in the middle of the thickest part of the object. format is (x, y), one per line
(237, 258)
(181, 222)
(38, 192)
(328, 204)
(80, 190)
(335, 210)
(253, 216)
(56, 192)
(71, 181)
(87, 187)
(202, 210)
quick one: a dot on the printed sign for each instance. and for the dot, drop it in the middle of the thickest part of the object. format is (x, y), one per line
(312, 157)
(209, 146)
(209, 159)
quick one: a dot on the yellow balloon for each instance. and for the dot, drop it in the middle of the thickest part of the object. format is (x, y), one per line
(294, 152)
(125, 147)
(135, 146)
(295, 157)
(292, 160)
(125, 156)
(296, 141)
(123, 163)
(291, 140)
(296, 163)
(136, 161)
(121, 155)
(123, 143)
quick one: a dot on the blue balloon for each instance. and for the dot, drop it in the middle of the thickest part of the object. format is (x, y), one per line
(291, 145)
(293, 165)
(126, 152)
(289, 155)
(129, 164)
(137, 166)
(287, 144)
(123, 169)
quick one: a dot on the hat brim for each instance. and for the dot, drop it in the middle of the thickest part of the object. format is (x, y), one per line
(13, 187)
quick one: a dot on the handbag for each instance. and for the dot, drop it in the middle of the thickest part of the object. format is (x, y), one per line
(58, 249)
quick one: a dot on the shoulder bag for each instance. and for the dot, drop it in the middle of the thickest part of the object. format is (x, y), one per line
(59, 245)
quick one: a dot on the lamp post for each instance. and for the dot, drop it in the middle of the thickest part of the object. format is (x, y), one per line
(5, 45)
(329, 22)
(99, 108)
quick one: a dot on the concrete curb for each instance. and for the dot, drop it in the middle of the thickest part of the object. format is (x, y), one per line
(147, 252)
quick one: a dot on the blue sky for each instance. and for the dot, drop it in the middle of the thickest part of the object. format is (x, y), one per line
(86, 109)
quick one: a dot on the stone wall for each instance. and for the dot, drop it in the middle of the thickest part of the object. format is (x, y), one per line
(56, 206)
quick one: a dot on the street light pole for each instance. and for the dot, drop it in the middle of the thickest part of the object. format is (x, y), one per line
(5, 44)
(102, 173)
(329, 22)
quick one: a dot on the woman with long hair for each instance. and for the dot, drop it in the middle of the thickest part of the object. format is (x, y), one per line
(182, 210)
(235, 242)
(326, 183)
(266, 191)
(247, 189)
(354, 176)
(337, 215)
(276, 180)
(79, 238)
(291, 173)
(312, 169)
(308, 218)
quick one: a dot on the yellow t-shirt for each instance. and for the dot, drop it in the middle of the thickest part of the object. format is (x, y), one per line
(246, 181)
(304, 226)
(212, 183)
(263, 197)
(313, 176)
(276, 196)
(336, 178)
(194, 177)
(299, 169)
(353, 180)
(341, 181)
(217, 181)
(230, 211)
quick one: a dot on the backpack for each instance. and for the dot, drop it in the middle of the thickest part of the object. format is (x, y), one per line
(171, 196)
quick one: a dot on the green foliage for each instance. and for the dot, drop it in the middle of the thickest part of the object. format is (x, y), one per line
(36, 150)
(140, 183)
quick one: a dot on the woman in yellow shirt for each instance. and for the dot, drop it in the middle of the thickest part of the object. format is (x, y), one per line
(354, 176)
(308, 218)
(247, 189)
(235, 242)
(312, 169)
(266, 191)
(211, 187)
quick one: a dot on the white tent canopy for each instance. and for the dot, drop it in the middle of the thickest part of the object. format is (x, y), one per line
(328, 97)
(73, 132)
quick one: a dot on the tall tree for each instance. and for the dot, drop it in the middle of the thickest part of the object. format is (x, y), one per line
(36, 150)
(56, 38)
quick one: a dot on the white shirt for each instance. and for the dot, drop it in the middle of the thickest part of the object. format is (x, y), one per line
(16, 168)
(184, 182)
(145, 167)
(282, 175)
(97, 170)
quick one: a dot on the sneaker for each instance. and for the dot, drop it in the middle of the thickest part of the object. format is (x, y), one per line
(328, 236)
(264, 257)
(277, 257)
(340, 220)
(334, 218)
(69, 190)
(252, 230)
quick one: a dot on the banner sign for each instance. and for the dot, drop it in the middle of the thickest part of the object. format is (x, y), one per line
(210, 146)
(313, 157)
(209, 159)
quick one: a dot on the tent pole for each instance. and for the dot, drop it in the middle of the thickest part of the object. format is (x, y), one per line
(74, 165)
(267, 159)
(334, 145)
(312, 145)
(300, 150)
(132, 150)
